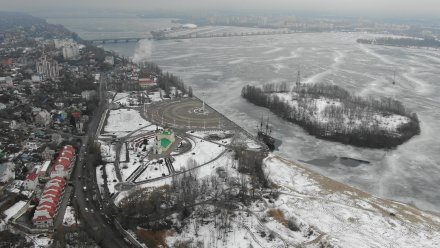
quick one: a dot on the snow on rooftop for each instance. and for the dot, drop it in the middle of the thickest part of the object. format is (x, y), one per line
(10, 212)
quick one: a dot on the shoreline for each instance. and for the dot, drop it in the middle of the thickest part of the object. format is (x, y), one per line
(310, 169)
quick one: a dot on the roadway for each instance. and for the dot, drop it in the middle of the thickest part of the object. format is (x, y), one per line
(93, 214)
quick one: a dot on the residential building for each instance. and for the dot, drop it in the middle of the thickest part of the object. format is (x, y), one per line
(47, 153)
(48, 68)
(62, 167)
(109, 60)
(31, 181)
(44, 168)
(6, 82)
(31, 146)
(88, 94)
(56, 139)
(70, 51)
(36, 78)
(147, 82)
(49, 202)
(43, 118)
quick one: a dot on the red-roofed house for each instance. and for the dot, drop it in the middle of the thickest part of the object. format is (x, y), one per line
(49, 202)
(64, 163)
(47, 205)
(56, 181)
(147, 82)
(54, 187)
(50, 198)
(31, 181)
(43, 218)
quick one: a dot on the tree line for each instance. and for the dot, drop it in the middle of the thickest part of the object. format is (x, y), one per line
(351, 121)
(402, 42)
(165, 80)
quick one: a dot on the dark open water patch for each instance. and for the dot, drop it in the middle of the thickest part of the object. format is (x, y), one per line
(329, 161)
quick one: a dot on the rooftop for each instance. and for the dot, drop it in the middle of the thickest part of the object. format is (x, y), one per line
(165, 142)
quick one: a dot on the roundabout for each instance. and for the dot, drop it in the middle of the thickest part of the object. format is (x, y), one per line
(186, 114)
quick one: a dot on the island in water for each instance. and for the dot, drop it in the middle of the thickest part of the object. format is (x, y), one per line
(332, 113)
(428, 42)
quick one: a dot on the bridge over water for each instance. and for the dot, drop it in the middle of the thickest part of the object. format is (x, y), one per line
(117, 40)
(159, 36)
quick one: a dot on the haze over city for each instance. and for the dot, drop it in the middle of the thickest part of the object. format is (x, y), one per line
(351, 8)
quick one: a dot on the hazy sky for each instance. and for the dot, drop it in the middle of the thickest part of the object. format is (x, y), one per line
(384, 8)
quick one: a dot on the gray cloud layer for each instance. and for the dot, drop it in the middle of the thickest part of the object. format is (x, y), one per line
(391, 8)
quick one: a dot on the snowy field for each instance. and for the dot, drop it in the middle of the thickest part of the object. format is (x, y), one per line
(123, 121)
(346, 217)
(129, 99)
(202, 151)
(153, 170)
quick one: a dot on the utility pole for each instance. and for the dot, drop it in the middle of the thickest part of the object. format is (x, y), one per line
(298, 77)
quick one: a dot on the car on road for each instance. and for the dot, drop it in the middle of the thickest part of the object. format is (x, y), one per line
(85, 209)
(87, 199)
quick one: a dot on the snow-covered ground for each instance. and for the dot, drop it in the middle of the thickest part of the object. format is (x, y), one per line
(108, 152)
(154, 170)
(202, 151)
(155, 96)
(222, 134)
(244, 231)
(69, 216)
(384, 122)
(344, 216)
(226, 162)
(123, 121)
(100, 179)
(41, 241)
(13, 210)
(137, 152)
(112, 180)
(129, 99)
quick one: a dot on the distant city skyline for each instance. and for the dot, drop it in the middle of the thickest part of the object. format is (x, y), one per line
(372, 8)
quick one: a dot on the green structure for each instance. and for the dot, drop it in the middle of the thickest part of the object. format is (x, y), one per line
(163, 141)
